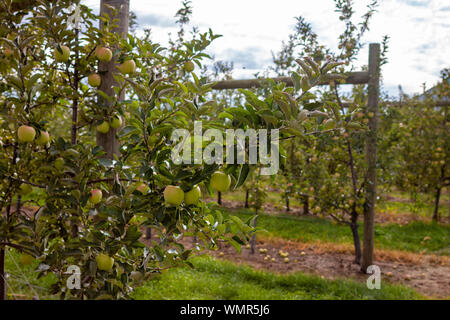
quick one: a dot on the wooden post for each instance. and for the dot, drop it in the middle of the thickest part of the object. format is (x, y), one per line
(371, 156)
(108, 141)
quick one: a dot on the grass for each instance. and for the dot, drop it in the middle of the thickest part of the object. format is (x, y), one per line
(414, 237)
(222, 280)
(422, 208)
(23, 280)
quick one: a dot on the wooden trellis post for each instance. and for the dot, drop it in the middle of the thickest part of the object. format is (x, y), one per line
(371, 155)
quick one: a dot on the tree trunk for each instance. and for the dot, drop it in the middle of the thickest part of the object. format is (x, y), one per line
(436, 205)
(356, 239)
(148, 233)
(253, 240)
(247, 193)
(219, 197)
(305, 205)
(108, 141)
(287, 204)
(371, 156)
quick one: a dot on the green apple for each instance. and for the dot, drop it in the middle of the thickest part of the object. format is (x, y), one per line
(103, 127)
(26, 133)
(96, 196)
(192, 196)
(116, 122)
(127, 67)
(143, 188)
(43, 138)
(104, 262)
(26, 259)
(173, 195)
(63, 55)
(189, 66)
(94, 80)
(220, 181)
(25, 189)
(59, 163)
(103, 54)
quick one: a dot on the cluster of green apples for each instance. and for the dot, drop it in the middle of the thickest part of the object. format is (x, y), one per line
(114, 123)
(174, 195)
(28, 134)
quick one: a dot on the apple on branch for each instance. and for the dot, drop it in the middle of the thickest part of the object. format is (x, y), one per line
(191, 197)
(220, 181)
(61, 53)
(26, 133)
(103, 127)
(189, 66)
(116, 122)
(104, 262)
(103, 54)
(96, 196)
(94, 80)
(43, 138)
(173, 195)
(127, 67)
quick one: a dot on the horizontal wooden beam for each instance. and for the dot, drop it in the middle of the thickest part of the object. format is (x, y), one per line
(359, 77)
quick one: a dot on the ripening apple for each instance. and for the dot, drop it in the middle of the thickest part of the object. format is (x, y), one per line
(220, 181)
(7, 52)
(26, 259)
(94, 80)
(136, 275)
(173, 195)
(116, 122)
(127, 67)
(143, 188)
(43, 138)
(96, 196)
(59, 163)
(62, 56)
(26, 133)
(191, 197)
(103, 127)
(104, 262)
(189, 66)
(25, 189)
(103, 54)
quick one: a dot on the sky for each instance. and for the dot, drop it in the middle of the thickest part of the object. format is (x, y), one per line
(251, 30)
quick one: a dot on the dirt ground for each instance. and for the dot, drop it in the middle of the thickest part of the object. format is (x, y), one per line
(427, 274)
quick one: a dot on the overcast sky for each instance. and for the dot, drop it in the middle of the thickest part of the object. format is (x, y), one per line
(251, 29)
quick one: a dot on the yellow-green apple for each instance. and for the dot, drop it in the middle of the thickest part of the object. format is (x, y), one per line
(26, 259)
(143, 188)
(220, 181)
(103, 54)
(43, 138)
(25, 189)
(127, 67)
(189, 66)
(94, 80)
(96, 196)
(63, 55)
(59, 163)
(173, 195)
(192, 196)
(26, 133)
(103, 127)
(104, 262)
(116, 122)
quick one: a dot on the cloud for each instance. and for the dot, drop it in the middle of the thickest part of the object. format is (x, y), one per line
(416, 3)
(153, 20)
(246, 58)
